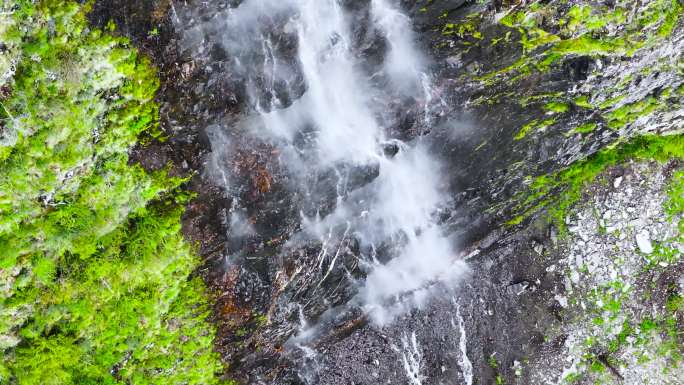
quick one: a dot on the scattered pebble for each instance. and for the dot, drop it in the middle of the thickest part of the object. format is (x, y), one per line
(617, 182)
(603, 260)
(563, 301)
(643, 240)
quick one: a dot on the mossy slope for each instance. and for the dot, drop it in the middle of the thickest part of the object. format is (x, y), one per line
(94, 270)
(561, 90)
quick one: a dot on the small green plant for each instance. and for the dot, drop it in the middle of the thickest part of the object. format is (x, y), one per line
(492, 361)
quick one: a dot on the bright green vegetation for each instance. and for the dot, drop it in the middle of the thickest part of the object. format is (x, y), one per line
(616, 337)
(94, 273)
(609, 107)
(494, 364)
(628, 113)
(576, 42)
(465, 29)
(545, 35)
(534, 125)
(556, 107)
(582, 32)
(558, 192)
(585, 128)
(675, 204)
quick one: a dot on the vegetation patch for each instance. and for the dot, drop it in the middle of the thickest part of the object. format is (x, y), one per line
(94, 273)
(469, 28)
(534, 125)
(566, 186)
(584, 30)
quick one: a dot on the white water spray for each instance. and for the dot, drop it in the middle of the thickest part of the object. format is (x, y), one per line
(412, 357)
(464, 363)
(340, 113)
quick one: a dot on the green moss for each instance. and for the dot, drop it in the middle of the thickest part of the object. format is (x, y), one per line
(580, 31)
(521, 67)
(672, 15)
(524, 130)
(527, 100)
(674, 205)
(647, 325)
(572, 378)
(534, 125)
(597, 366)
(94, 265)
(675, 303)
(628, 113)
(556, 107)
(586, 128)
(611, 101)
(634, 336)
(583, 101)
(493, 362)
(515, 221)
(587, 45)
(567, 185)
(537, 38)
(467, 28)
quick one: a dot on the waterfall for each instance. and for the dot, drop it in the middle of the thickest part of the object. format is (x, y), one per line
(318, 96)
(465, 363)
(411, 357)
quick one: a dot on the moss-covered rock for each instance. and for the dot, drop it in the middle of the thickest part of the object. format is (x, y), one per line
(548, 84)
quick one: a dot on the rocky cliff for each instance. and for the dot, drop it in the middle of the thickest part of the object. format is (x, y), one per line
(559, 127)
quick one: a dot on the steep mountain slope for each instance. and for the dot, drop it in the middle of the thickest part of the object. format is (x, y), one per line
(554, 130)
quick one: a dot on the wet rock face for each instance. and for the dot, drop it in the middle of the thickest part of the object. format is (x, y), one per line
(505, 118)
(537, 308)
(266, 277)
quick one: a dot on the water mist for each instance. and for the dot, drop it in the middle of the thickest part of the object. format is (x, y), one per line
(339, 122)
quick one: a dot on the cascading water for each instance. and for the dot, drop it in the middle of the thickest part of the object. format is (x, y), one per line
(464, 363)
(332, 112)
